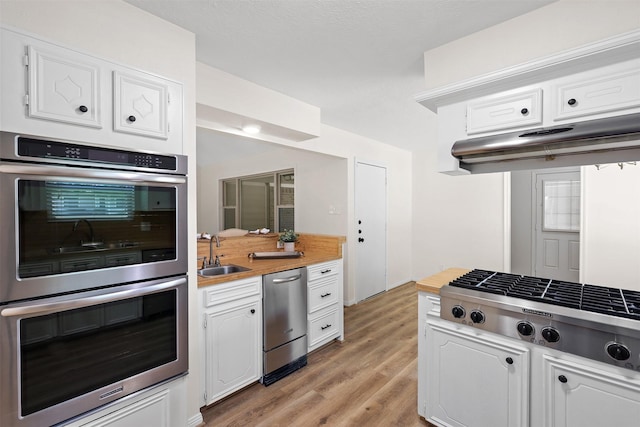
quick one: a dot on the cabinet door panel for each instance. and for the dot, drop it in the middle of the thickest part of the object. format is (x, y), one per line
(504, 112)
(475, 381)
(582, 396)
(232, 348)
(609, 91)
(63, 88)
(140, 105)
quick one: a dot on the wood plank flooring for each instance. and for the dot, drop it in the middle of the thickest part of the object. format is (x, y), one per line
(368, 380)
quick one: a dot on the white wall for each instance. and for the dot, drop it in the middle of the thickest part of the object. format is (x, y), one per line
(610, 239)
(121, 33)
(459, 221)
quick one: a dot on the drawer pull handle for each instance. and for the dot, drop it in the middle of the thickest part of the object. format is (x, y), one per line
(325, 271)
(325, 326)
(325, 295)
(572, 101)
(524, 111)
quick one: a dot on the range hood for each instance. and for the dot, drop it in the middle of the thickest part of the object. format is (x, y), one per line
(609, 140)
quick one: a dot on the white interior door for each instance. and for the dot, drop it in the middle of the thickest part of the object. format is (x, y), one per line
(371, 230)
(557, 228)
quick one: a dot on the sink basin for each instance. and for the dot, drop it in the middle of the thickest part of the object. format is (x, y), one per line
(221, 270)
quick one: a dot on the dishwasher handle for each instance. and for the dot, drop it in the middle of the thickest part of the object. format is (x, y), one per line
(288, 279)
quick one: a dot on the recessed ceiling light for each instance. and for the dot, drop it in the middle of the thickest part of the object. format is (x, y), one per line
(252, 129)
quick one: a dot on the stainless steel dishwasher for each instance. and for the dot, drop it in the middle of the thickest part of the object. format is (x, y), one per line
(285, 323)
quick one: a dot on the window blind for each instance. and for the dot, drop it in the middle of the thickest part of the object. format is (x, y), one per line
(71, 200)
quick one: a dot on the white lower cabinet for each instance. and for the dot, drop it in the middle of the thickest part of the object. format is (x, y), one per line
(468, 377)
(232, 324)
(325, 318)
(475, 381)
(588, 396)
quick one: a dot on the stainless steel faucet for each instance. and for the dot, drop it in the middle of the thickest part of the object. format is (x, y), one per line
(211, 258)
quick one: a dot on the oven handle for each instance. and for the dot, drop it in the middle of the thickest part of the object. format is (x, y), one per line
(70, 172)
(104, 296)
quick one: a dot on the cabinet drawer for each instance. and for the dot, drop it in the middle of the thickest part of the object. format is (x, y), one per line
(231, 291)
(322, 293)
(504, 111)
(323, 327)
(601, 94)
(322, 270)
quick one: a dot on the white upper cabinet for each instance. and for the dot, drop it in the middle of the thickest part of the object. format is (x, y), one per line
(63, 88)
(603, 90)
(505, 111)
(594, 81)
(140, 105)
(52, 91)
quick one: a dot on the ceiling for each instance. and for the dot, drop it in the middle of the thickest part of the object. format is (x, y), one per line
(360, 61)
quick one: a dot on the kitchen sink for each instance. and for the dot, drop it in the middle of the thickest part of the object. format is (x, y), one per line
(221, 270)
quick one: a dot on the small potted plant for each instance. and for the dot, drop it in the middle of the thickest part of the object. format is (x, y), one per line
(289, 238)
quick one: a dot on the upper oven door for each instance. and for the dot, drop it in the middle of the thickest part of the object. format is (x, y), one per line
(68, 228)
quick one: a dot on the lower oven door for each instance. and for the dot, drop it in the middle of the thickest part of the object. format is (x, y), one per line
(66, 355)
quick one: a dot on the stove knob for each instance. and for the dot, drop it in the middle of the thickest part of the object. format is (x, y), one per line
(618, 351)
(525, 328)
(458, 312)
(477, 316)
(550, 334)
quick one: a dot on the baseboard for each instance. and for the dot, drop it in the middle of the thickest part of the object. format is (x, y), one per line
(196, 421)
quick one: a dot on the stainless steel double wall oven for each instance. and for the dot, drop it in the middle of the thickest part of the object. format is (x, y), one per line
(93, 276)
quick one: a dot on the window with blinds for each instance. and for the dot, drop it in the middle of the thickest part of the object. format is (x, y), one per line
(70, 200)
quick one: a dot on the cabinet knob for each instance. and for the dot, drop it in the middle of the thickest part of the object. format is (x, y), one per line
(83, 108)
(572, 101)
(509, 360)
(253, 311)
(562, 379)
(131, 118)
(524, 111)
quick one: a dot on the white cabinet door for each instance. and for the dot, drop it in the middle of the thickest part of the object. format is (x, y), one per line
(475, 380)
(63, 87)
(584, 396)
(233, 348)
(599, 91)
(140, 105)
(505, 111)
(232, 321)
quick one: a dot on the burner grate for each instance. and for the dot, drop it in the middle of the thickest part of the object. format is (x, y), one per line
(599, 299)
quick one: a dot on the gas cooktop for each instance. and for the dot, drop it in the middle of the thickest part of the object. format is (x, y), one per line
(596, 322)
(599, 299)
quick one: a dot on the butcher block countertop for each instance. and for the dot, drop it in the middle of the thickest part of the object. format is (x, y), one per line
(434, 283)
(235, 250)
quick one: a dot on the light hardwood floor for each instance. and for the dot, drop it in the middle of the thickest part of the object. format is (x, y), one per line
(368, 380)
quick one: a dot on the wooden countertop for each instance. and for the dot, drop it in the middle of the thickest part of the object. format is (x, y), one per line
(434, 283)
(265, 266)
